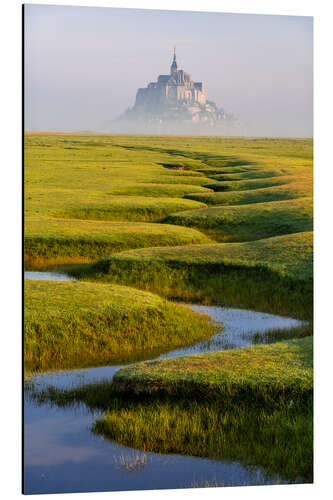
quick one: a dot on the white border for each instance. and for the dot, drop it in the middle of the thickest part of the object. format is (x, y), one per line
(10, 245)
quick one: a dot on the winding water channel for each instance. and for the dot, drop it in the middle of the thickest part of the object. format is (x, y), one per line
(62, 455)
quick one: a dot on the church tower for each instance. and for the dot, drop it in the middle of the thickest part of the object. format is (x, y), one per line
(170, 91)
(174, 65)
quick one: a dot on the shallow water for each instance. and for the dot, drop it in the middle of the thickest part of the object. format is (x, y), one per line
(61, 454)
(242, 328)
(36, 275)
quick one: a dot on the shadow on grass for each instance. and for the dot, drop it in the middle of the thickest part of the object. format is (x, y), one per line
(227, 285)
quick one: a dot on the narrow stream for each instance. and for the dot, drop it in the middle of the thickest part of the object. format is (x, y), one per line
(62, 455)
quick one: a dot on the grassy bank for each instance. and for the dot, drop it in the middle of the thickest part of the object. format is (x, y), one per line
(123, 208)
(225, 273)
(249, 222)
(54, 242)
(266, 376)
(251, 184)
(253, 404)
(84, 324)
(160, 190)
(276, 193)
(279, 440)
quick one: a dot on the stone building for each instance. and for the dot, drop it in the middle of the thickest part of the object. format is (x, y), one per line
(171, 90)
(172, 104)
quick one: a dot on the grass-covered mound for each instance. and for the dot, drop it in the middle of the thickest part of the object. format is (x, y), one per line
(275, 193)
(121, 208)
(252, 404)
(249, 222)
(248, 184)
(81, 324)
(251, 172)
(273, 274)
(265, 375)
(54, 241)
(161, 189)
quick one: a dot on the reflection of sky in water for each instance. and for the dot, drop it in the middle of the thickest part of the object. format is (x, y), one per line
(63, 455)
(36, 275)
(240, 328)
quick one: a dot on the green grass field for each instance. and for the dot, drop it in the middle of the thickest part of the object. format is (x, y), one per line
(88, 178)
(148, 178)
(50, 241)
(81, 324)
(260, 183)
(216, 220)
(249, 222)
(288, 191)
(262, 376)
(224, 273)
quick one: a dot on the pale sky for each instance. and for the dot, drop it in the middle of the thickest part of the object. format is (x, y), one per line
(85, 64)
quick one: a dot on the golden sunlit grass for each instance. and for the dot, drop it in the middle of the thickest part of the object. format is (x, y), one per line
(275, 193)
(273, 274)
(85, 324)
(54, 241)
(259, 375)
(252, 405)
(249, 222)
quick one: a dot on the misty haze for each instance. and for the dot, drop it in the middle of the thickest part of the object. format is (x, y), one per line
(84, 67)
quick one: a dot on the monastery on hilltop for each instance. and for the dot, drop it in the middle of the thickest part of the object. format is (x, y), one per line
(171, 90)
(174, 103)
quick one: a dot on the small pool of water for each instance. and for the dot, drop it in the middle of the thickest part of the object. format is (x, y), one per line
(38, 275)
(61, 454)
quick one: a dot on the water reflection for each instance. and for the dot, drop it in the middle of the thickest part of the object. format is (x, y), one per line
(36, 275)
(62, 455)
(242, 328)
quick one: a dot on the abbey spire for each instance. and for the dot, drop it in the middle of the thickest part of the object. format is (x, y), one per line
(174, 65)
